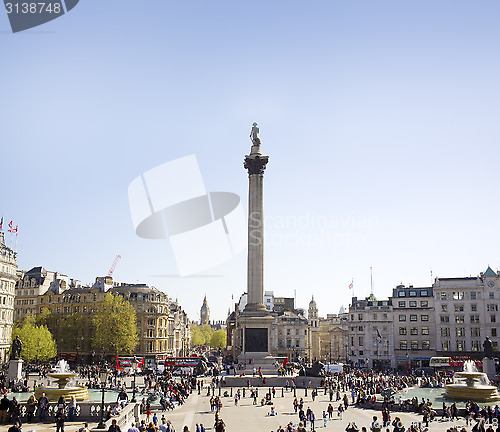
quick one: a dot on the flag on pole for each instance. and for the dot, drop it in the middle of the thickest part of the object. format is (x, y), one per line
(13, 230)
(379, 336)
(351, 285)
(10, 224)
(1, 224)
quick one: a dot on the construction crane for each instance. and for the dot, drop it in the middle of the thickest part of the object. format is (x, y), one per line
(115, 262)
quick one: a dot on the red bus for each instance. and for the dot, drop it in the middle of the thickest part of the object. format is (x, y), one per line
(181, 362)
(125, 363)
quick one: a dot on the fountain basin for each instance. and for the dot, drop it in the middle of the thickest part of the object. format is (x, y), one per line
(62, 378)
(471, 385)
(476, 393)
(53, 394)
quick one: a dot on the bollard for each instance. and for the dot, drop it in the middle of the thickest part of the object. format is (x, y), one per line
(243, 391)
(231, 392)
(282, 395)
(325, 391)
(219, 391)
(305, 395)
(294, 392)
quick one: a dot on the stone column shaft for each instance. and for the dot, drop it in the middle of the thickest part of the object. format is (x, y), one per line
(255, 274)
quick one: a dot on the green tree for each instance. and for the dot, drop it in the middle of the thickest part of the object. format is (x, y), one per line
(38, 342)
(218, 339)
(115, 326)
(201, 334)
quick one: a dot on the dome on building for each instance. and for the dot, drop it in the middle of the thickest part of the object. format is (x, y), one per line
(312, 304)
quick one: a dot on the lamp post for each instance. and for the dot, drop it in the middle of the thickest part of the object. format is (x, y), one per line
(103, 375)
(135, 365)
(81, 349)
(408, 361)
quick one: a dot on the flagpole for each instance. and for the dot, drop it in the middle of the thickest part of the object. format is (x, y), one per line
(16, 240)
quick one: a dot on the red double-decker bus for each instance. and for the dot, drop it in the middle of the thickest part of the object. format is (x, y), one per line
(181, 362)
(125, 363)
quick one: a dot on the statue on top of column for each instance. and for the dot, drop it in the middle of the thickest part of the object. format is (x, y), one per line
(254, 136)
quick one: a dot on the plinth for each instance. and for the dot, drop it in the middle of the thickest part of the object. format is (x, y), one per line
(489, 368)
(15, 370)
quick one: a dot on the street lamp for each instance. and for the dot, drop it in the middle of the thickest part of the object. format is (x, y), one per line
(103, 375)
(135, 365)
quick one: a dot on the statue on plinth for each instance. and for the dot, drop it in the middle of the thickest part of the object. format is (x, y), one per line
(488, 348)
(17, 346)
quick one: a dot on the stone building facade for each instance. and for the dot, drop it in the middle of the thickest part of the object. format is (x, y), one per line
(466, 312)
(371, 333)
(8, 279)
(415, 326)
(162, 325)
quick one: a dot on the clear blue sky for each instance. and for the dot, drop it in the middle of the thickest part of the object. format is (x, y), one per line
(380, 119)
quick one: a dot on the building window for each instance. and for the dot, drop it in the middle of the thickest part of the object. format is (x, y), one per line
(475, 345)
(494, 332)
(413, 304)
(360, 317)
(442, 296)
(413, 317)
(413, 293)
(425, 330)
(492, 307)
(473, 307)
(402, 304)
(402, 317)
(426, 344)
(403, 345)
(473, 295)
(402, 331)
(423, 293)
(374, 316)
(474, 318)
(460, 332)
(458, 295)
(459, 308)
(445, 332)
(360, 340)
(460, 345)
(445, 318)
(401, 294)
(494, 345)
(475, 332)
(424, 317)
(424, 303)
(414, 331)
(492, 295)
(459, 319)
(360, 328)
(444, 308)
(414, 345)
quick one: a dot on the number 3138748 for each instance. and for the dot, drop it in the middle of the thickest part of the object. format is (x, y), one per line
(33, 8)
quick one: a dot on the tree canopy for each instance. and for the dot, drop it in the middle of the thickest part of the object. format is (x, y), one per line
(201, 334)
(115, 326)
(38, 342)
(218, 339)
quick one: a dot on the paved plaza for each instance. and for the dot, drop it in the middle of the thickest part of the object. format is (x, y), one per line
(246, 417)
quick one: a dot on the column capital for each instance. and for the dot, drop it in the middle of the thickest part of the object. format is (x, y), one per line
(255, 164)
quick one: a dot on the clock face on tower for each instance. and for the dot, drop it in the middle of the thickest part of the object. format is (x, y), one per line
(491, 284)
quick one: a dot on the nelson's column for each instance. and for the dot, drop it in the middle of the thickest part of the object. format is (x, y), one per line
(255, 321)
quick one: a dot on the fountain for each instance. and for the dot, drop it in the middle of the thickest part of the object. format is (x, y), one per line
(62, 374)
(471, 385)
